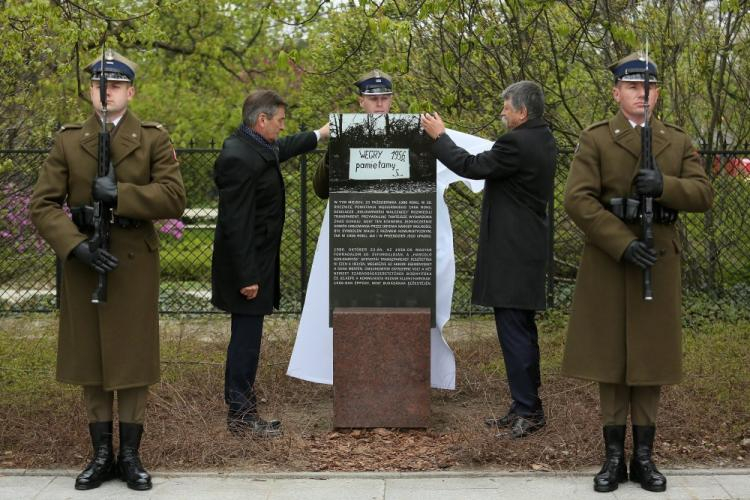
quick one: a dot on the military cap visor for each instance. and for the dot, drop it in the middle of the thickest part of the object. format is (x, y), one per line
(634, 69)
(375, 83)
(375, 86)
(116, 68)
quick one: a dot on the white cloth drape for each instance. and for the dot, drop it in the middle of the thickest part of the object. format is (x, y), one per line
(312, 356)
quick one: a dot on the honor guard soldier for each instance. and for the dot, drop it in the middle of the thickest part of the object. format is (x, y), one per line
(375, 96)
(629, 345)
(111, 346)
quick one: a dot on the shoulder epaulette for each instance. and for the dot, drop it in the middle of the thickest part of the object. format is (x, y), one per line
(597, 124)
(153, 125)
(670, 125)
(70, 126)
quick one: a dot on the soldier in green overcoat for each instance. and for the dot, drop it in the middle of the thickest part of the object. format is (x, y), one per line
(630, 346)
(114, 346)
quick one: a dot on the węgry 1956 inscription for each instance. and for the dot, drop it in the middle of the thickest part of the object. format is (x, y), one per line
(378, 163)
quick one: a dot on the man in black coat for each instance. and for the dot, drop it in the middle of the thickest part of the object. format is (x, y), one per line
(513, 243)
(245, 264)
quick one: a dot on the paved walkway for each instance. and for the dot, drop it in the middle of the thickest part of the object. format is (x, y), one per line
(703, 484)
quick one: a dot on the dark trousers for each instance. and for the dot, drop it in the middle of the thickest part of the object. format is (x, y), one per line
(516, 330)
(242, 363)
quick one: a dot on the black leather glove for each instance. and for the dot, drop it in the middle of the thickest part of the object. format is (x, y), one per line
(105, 188)
(100, 260)
(639, 254)
(649, 182)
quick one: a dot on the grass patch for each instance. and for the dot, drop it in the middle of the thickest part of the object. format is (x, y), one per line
(702, 421)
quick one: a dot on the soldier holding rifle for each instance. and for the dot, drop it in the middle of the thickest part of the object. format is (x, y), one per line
(109, 327)
(619, 335)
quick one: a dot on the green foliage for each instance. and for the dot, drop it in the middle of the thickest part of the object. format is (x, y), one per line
(198, 60)
(5, 166)
(701, 312)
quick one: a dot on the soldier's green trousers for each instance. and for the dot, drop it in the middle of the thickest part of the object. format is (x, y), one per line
(131, 404)
(616, 399)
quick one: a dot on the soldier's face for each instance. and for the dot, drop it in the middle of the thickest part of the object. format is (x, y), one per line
(119, 95)
(271, 126)
(631, 96)
(376, 103)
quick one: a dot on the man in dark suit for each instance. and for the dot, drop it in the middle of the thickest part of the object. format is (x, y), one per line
(512, 255)
(245, 264)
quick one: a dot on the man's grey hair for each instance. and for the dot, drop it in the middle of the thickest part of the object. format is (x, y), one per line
(261, 101)
(526, 94)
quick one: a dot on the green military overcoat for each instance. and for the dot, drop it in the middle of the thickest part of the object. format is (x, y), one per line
(115, 345)
(615, 336)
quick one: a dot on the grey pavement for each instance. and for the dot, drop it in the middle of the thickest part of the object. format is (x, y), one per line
(702, 484)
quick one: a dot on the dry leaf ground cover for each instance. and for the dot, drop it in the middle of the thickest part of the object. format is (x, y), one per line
(703, 422)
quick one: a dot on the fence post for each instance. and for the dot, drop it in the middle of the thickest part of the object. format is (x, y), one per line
(303, 226)
(58, 281)
(709, 225)
(551, 248)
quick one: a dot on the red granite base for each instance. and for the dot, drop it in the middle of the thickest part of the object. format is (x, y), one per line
(381, 367)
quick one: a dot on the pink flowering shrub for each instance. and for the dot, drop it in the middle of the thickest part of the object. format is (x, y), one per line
(172, 227)
(16, 229)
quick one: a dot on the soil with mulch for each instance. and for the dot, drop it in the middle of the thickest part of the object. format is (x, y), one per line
(186, 416)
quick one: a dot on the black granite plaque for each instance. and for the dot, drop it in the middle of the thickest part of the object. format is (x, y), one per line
(382, 212)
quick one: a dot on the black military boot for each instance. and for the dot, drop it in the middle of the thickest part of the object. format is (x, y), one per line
(642, 468)
(102, 466)
(613, 471)
(129, 461)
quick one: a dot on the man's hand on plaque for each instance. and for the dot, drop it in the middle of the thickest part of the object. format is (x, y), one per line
(325, 131)
(250, 292)
(433, 125)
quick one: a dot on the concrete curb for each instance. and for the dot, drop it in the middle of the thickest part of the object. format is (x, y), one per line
(376, 475)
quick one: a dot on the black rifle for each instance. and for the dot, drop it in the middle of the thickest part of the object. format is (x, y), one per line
(647, 202)
(102, 212)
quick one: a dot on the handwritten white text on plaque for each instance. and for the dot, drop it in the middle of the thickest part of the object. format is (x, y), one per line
(378, 163)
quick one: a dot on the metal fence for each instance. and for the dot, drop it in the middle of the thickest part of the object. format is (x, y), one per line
(715, 245)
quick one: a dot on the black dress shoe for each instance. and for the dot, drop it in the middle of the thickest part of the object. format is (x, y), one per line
(102, 466)
(504, 421)
(129, 460)
(251, 423)
(523, 426)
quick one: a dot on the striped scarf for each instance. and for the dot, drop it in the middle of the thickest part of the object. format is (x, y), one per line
(247, 131)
